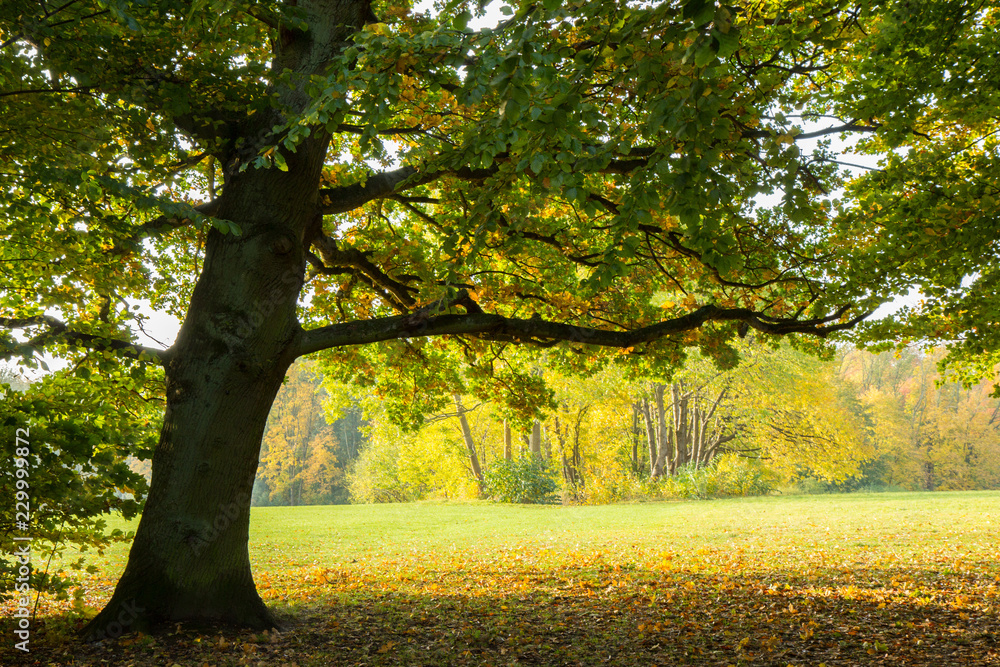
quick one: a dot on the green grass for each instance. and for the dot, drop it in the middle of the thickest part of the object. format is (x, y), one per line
(902, 525)
(900, 578)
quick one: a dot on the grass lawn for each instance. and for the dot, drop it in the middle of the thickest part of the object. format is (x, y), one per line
(884, 579)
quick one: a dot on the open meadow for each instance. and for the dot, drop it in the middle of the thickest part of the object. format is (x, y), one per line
(886, 579)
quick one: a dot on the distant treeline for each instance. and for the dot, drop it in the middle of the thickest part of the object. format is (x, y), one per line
(780, 419)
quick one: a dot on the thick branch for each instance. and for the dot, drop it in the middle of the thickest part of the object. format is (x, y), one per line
(839, 129)
(344, 198)
(541, 332)
(335, 257)
(48, 91)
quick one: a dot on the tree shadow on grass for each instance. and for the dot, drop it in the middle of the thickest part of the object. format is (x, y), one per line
(604, 616)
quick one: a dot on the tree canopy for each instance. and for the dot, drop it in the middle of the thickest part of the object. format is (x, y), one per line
(538, 180)
(413, 196)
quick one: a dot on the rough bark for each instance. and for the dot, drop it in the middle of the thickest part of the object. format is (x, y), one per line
(189, 560)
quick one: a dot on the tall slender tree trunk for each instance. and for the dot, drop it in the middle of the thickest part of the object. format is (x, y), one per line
(682, 434)
(508, 442)
(577, 455)
(635, 436)
(662, 439)
(470, 445)
(647, 417)
(697, 435)
(567, 465)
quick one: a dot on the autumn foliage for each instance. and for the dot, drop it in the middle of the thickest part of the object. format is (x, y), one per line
(779, 419)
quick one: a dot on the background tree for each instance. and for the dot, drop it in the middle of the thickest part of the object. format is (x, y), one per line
(928, 431)
(548, 176)
(398, 465)
(784, 411)
(302, 460)
(800, 415)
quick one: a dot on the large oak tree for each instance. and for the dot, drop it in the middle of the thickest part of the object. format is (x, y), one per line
(297, 177)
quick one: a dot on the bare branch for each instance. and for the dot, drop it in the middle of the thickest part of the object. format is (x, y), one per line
(58, 332)
(165, 223)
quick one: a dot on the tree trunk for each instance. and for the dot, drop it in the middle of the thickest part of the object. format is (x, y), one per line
(535, 442)
(635, 437)
(567, 466)
(719, 440)
(577, 456)
(662, 439)
(470, 445)
(682, 434)
(508, 442)
(189, 560)
(697, 435)
(650, 434)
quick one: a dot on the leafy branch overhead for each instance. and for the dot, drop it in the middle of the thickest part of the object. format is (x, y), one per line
(578, 158)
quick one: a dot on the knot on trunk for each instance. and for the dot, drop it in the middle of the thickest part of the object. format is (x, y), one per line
(282, 245)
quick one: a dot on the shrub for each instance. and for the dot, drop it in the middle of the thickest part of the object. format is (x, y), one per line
(725, 476)
(66, 443)
(739, 476)
(526, 479)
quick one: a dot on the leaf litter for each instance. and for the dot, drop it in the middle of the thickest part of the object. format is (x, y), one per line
(615, 603)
